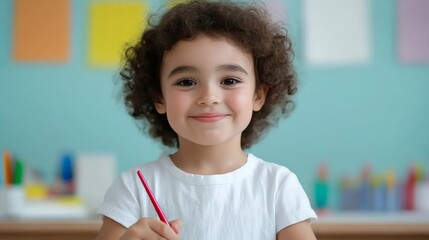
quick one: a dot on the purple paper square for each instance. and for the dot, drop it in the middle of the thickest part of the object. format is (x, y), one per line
(413, 24)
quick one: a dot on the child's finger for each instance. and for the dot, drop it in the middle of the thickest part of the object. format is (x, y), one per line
(176, 225)
(149, 229)
(162, 229)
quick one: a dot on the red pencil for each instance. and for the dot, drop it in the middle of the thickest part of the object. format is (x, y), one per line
(152, 198)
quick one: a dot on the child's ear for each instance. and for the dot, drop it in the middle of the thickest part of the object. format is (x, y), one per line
(160, 107)
(259, 98)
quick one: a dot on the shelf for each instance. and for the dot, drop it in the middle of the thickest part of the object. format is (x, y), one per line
(345, 217)
(330, 226)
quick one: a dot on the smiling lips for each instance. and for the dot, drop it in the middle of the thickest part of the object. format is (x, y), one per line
(209, 117)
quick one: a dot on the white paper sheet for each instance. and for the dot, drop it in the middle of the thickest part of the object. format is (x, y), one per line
(337, 32)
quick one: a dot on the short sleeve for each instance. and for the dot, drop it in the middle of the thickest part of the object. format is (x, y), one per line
(120, 201)
(292, 204)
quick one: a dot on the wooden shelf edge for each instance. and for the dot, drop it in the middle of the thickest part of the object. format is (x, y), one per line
(370, 228)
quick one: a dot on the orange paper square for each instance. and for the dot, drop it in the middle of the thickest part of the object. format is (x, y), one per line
(42, 30)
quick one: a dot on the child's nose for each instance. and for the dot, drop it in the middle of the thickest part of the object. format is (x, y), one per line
(209, 96)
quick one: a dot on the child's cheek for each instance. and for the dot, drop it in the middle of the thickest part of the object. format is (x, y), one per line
(177, 103)
(240, 100)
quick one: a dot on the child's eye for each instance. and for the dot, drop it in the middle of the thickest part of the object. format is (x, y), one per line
(229, 81)
(186, 83)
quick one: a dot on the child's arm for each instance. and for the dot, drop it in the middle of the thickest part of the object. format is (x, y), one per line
(298, 231)
(145, 228)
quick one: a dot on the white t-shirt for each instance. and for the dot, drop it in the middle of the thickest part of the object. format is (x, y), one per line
(253, 202)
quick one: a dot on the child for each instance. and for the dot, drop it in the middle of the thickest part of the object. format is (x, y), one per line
(209, 79)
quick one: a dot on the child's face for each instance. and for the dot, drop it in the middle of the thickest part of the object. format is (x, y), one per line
(208, 87)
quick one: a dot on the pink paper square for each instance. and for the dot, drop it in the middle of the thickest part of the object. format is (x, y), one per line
(413, 24)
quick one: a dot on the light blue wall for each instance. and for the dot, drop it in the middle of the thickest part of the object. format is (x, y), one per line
(346, 117)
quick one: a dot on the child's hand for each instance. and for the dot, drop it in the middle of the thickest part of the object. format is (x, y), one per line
(149, 228)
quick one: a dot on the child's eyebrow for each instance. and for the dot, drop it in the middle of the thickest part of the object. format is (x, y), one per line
(232, 67)
(181, 69)
(224, 67)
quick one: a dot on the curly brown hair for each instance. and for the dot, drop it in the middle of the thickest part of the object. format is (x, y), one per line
(248, 26)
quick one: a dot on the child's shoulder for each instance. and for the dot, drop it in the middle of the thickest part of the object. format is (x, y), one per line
(150, 167)
(269, 168)
(264, 164)
(273, 176)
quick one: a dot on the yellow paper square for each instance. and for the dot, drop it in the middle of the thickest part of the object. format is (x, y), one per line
(112, 26)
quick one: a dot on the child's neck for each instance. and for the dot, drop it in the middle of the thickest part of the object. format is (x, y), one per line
(209, 160)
